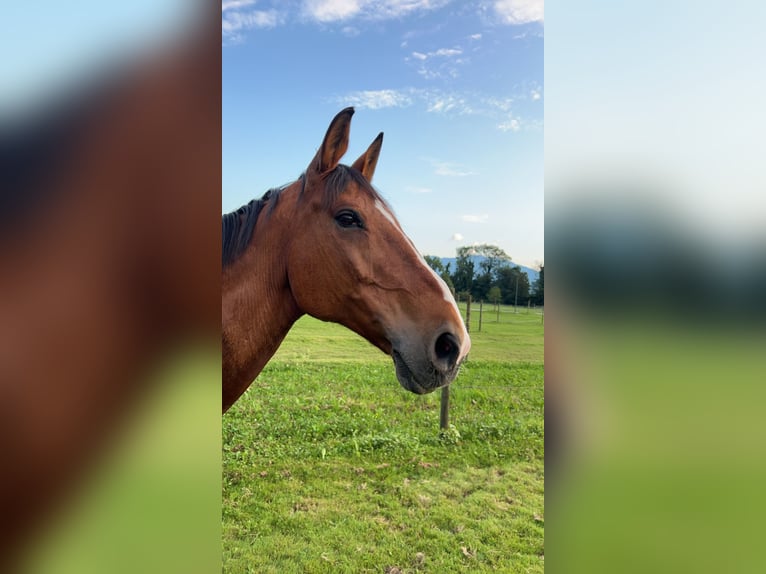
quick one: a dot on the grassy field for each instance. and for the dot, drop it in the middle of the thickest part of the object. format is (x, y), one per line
(330, 466)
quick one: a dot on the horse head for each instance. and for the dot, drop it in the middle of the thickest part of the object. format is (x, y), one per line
(350, 262)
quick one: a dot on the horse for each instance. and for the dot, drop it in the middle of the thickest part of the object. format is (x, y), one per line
(328, 245)
(108, 261)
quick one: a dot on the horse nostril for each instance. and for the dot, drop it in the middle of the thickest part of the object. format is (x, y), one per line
(447, 349)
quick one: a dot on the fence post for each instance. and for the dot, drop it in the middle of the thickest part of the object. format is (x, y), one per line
(444, 409)
(444, 405)
(481, 312)
(468, 313)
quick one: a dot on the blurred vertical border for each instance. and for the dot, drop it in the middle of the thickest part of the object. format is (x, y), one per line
(656, 263)
(110, 119)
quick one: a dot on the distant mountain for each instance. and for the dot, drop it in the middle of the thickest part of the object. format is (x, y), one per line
(533, 274)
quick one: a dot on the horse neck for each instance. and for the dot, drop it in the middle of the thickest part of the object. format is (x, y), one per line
(257, 311)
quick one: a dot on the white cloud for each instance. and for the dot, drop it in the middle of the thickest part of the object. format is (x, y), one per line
(377, 99)
(331, 10)
(441, 102)
(499, 110)
(444, 68)
(501, 104)
(235, 4)
(469, 218)
(446, 52)
(535, 94)
(233, 22)
(239, 16)
(448, 169)
(441, 105)
(475, 36)
(435, 101)
(520, 11)
(510, 125)
(457, 237)
(338, 10)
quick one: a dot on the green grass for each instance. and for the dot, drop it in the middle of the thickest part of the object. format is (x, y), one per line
(330, 466)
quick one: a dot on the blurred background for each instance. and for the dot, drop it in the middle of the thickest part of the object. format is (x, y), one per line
(110, 287)
(655, 217)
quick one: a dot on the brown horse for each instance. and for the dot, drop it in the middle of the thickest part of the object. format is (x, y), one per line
(329, 246)
(108, 259)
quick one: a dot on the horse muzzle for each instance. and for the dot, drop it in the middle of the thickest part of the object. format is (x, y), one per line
(424, 372)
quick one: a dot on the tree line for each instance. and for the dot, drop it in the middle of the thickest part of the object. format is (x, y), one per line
(496, 279)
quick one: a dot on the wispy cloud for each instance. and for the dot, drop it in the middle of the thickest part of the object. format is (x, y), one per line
(441, 63)
(342, 10)
(235, 21)
(457, 237)
(500, 110)
(470, 218)
(446, 52)
(433, 101)
(235, 4)
(517, 12)
(377, 99)
(510, 125)
(475, 36)
(237, 17)
(449, 169)
(331, 10)
(437, 102)
(240, 15)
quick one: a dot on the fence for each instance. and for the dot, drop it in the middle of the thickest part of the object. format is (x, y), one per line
(476, 317)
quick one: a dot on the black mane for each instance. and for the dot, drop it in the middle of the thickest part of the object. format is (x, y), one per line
(238, 226)
(36, 145)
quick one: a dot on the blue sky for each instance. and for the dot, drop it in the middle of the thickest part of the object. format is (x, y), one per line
(457, 87)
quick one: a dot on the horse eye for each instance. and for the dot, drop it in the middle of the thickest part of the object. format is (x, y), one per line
(348, 218)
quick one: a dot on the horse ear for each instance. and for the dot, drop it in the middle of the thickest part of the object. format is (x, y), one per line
(335, 143)
(369, 159)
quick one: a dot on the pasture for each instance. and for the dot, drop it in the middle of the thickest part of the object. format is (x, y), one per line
(330, 466)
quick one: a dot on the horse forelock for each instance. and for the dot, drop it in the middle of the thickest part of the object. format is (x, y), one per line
(337, 182)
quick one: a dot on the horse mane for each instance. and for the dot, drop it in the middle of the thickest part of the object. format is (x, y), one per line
(35, 145)
(238, 226)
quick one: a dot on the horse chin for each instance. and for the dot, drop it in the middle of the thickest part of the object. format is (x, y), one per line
(409, 380)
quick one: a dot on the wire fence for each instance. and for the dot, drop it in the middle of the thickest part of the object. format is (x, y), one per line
(477, 316)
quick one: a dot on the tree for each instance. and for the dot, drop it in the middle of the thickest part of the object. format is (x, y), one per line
(494, 294)
(493, 255)
(436, 264)
(538, 288)
(462, 278)
(514, 284)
